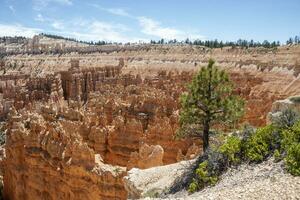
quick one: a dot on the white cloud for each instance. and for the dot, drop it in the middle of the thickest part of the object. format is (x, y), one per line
(40, 4)
(114, 11)
(85, 29)
(13, 10)
(57, 25)
(99, 30)
(39, 18)
(91, 30)
(66, 2)
(151, 27)
(107, 31)
(80, 22)
(18, 30)
(118, 11)
(154, 28)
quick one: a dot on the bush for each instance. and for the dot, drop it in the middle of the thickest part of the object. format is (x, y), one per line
(204, 177)
(216, 165)
(260, 144)
(232, 149)
(286, 119)
(193, 187)
(291, 146)
(211, 165)
(292, 159)
(283, 142)
(277, 155)
(217, 162)
(290, 136)
(247, 132)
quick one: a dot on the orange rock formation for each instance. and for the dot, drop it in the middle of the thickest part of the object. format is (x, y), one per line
(72, 131)
(46, 161)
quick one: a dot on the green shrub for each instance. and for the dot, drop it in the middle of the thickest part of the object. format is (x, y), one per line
(246, 132)
(283, 142)
(232, 149)
(290, 136)
(203, 178)
(193, 179)
(287, 118)
(292, 159)
(277, 155)
(193, 187)
(291, 146)
(259, 145)
(217, 162)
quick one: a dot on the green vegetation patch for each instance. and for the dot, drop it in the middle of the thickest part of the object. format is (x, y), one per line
(232, 149)
(203, 178)
(282, 141)
(260, 144)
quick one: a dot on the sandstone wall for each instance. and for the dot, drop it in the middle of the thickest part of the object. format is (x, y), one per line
(46, 161)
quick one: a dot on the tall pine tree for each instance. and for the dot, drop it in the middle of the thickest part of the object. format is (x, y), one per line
(210, 100)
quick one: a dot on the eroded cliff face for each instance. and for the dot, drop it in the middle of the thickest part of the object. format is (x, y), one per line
(45, 161)
(133, 116)
(63, 137)
(71, 131)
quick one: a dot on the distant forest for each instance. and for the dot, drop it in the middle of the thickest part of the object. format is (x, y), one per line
(207, 43)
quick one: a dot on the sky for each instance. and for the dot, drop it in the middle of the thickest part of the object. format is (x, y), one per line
(142, 20)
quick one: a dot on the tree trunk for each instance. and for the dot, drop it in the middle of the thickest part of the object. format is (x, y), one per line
(205, 136)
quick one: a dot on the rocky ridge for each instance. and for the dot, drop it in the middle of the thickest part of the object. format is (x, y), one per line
(267, 180)
(37, 44)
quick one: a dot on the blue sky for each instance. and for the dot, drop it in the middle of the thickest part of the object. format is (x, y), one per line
(134, 20)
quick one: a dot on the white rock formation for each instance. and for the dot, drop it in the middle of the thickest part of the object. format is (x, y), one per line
(153, 181)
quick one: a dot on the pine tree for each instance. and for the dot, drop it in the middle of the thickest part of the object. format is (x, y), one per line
(297, 40)
(290, 41)
(209, 100)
